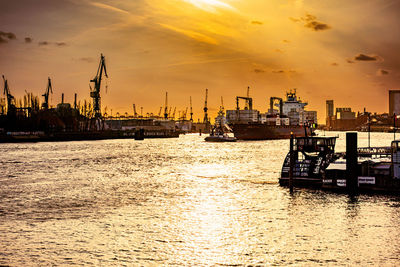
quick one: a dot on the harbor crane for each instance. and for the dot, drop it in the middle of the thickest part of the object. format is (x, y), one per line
(205, 120)
(271, 105)
(248, 96)
(173, 114)
(191, 110)
(185, 114)
(249, 102)
(134, 111)
(49, 89)
(11, 109)
(159, 113)
(95, 92)
(166, 113)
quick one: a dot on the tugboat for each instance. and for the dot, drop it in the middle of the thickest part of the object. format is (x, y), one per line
(218, 135)
(312, 156)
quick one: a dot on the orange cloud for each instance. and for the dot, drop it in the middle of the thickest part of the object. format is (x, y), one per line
(192, 34)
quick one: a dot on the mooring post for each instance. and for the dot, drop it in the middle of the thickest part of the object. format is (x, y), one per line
(292, 159)
(394, 126)
(351, 162)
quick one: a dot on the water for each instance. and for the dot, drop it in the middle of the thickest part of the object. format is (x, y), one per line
(182, 202)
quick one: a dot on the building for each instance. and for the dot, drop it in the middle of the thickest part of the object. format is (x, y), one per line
(329, 108)
(345, 114)
(394, 102)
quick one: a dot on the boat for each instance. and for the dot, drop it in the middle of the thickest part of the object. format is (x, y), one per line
(291, 118)
(312, 155)
(317, 165)
(219, 130)
(220, 138)
(377, 171)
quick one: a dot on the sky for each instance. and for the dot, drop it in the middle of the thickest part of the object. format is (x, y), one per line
(347, 51)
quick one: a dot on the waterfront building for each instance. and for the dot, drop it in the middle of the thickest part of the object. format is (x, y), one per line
(394, 102)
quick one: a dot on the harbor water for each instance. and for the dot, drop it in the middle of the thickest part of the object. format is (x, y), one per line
(182, 201)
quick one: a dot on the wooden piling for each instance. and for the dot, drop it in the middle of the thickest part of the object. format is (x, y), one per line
(292, 163)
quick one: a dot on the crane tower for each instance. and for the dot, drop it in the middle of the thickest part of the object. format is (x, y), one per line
(95, 92)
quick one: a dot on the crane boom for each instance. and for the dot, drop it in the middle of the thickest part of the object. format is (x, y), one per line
(134, 111)
(173, 114)
(205, 120)
(191, 110)
(166, 106)
(95, 93)
(248, 97)
(10, 98)
(46, 94)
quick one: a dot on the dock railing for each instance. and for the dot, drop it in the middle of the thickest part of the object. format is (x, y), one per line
(370, 152)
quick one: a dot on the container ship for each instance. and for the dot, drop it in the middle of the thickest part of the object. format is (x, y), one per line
(290, 117)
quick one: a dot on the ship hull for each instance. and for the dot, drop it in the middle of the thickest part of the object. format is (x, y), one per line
(260, 131)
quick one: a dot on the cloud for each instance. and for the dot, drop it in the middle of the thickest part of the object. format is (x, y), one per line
(192, 34)
(286, 41)
(278, 51)
(60, 44)
(108, 7)
(334, 64)
(283, 71)
(256, 22)
(382, 72)
(259, 70)
(349, 61)
(28, 40)
(310, 21)
(363, 57)
(87, 59)
(43, 43)
(317, 26)
(6, 36)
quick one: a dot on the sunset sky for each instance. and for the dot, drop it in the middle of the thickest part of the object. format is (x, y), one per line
(332, 49)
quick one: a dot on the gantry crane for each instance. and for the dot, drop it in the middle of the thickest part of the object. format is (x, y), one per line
(11, 109)
(248, 97)
(271, 105)
(191, 110)
(134, 111)
(205, 120)
(49, 89)
(95, 92)
(169, 112)
(166, 113)
(173, 114)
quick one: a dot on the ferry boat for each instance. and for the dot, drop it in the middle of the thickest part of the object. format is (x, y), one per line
(312, 155)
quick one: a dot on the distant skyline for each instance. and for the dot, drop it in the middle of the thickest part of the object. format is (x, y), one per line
(341, 50)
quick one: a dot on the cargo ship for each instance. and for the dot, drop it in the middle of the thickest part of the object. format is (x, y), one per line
(250, 124)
